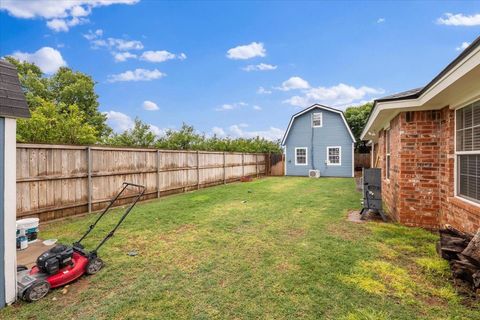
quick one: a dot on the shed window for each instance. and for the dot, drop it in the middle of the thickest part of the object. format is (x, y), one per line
(317, 119)
(467, 150)
(334, 156)
(301, 156)
(387, 154)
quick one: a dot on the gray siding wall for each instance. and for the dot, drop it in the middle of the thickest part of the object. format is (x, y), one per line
(2, 213)
(332, 133)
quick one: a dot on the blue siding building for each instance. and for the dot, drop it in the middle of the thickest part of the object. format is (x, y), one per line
(319, 138)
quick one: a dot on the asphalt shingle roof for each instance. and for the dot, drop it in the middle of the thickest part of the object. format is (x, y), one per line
(12, 100)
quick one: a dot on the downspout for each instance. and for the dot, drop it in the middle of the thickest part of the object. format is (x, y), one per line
(311, 147)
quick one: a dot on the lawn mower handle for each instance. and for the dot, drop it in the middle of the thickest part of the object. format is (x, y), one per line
(110, 234)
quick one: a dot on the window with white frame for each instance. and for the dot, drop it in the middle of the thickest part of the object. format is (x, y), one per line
(334, 156)
(316, 119)
(467, 150)
(387, 154)
(301, 156)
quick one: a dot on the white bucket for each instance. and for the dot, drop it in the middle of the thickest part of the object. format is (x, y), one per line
(28, 227)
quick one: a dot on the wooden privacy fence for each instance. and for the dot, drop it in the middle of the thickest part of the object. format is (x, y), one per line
(55, 181)
(362, 160)
(277, 165)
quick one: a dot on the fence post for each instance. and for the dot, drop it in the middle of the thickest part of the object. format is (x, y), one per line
(198, 171)
(158, 173)
(256, 164)
(269, 172)
(89, 181)
(224, 169)
(243, 165)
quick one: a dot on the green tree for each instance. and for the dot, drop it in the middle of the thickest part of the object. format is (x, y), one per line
(69, 87)
(140, 135)
(357, 118)
(188, 139)
(64, 89)
(184, 139)
(47, 125)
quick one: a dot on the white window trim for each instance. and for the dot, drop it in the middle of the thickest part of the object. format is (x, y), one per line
(321, 119)
(306, 157)
(339, 156)
(456, 192)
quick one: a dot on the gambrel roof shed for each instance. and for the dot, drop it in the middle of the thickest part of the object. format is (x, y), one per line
(317, 106)
(12, 99)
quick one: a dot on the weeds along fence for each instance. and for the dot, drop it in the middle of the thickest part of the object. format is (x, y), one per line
(56, 181)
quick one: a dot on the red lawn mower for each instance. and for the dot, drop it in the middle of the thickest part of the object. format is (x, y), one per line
(63, 264)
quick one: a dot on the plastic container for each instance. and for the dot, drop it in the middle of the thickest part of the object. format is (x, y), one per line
(22, 243)
(28, 228)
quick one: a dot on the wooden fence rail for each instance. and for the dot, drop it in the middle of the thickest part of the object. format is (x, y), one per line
(55, 181)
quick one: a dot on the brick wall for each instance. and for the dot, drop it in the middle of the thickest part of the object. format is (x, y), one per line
(420, 191)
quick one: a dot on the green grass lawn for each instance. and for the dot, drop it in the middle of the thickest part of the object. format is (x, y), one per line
(285, 253)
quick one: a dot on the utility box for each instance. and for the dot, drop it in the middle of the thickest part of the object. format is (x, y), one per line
(372, 192)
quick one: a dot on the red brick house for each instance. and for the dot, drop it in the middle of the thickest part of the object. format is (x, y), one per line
(427, 143)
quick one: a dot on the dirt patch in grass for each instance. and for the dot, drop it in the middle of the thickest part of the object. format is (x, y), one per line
(354, 216)
(345, 232)
(296, 233)
(286, 266)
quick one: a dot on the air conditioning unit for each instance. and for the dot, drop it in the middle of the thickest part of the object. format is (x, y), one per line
(314, 173)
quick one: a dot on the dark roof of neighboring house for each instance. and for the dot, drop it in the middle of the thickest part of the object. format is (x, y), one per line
(12, 100)
(401, 95)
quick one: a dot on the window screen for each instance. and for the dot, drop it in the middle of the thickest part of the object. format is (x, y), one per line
(317, 119)
(334, 155)
(301, 156)
(467, 146)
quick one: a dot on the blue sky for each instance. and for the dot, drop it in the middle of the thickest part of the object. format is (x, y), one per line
(237, 68)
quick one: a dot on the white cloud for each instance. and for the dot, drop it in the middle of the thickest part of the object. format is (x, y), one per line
(219, 132)
(91, 35)
(262, 90)
(119, 48)
(115, 44)
(46, 58)
(120, 122)
(260, 67)
(294, 83)
(149, 105)
(123, 56)
(161, 56)
(254, 49)
(63, 25)
(257, 108)
(459, 19)
(60, 14)
(158, 131)
(231, 106)
(239, 131)
(136, 75)
(381, 20)
(122, 44)
(463, 46)
(339, 95)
